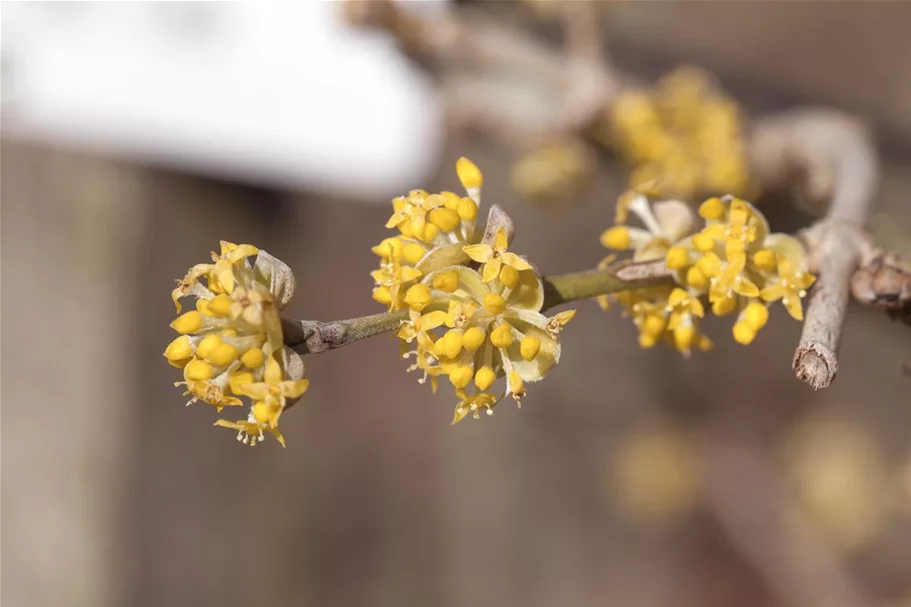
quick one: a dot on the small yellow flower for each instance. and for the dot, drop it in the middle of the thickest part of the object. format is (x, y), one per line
(474, 332)
(231, 345)
(433, 229)
(557, 171)
(275, 389)
(666, 223)
(733, 260)
(684, 137)
(496, 257)
(790, 286)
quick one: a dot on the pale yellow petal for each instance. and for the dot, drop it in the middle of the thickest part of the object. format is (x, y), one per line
(481, 253)
(491, 270)
(519, 263)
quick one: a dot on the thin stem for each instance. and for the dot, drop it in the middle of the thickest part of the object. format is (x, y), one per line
(313, 336)
(623, 276)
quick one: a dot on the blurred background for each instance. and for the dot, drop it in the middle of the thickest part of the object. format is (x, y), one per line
(135, 136)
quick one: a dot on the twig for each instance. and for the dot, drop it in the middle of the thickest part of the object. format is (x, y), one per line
(837, 158)
(314, 336)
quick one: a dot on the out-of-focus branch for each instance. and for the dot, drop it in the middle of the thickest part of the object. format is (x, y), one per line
(471, 44)
(745, 495)
(834, 155)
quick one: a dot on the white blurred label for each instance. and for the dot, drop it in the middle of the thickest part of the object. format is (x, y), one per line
(284, 94)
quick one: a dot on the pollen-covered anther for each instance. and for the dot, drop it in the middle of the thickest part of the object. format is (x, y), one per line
(473, 338)
(220, 306)
(677, 258)
(451, 343)
(469, 174)
(418, 296)
(445, 219)
(501, 336)
(617, 238)
(712, 209)
(756, 315)
(461, 376)
(494, 303)
(447, 282)
(198, 370)
(223, 355)
(509, 276)
(484, 378)
(179, 349)
(188, 322)
(764, 259)
(208, 344)
(696, 279)
(529, 347)
(743, 333)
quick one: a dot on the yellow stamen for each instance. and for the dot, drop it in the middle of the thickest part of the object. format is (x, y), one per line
(723, 306)
(712, 209)
(677, 258)
(493, 303)
(220, 305)
(451, 200)
(418, 297)
(447, 282)
(695, 278)
(179, 349)
(460, 376)
(198, 370)
(744, 333)
(223, 355)
(509, 276)
(253, 358)
(207, 345)
(189, 322)
(413, 252)
(616, 238)
(430, 232)
(469, 174)
(703, 242)
(382, 295)
(684, 337)
(765, 260)
(237, 380)
(529, 347)
(756, 315)
(468, 209)
(262, 412)
(501, 337)
(445, 219)
(484, 378)
(653, 325)
(473, 338)
(452, 343)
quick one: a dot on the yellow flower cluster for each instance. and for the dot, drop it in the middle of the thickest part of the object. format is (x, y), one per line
(684, 138)
(555, 172)
(733, 260)
(231, 344)
(474, 307)
(432, 228)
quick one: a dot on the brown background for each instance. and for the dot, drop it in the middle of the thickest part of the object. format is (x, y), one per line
(115, 494)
